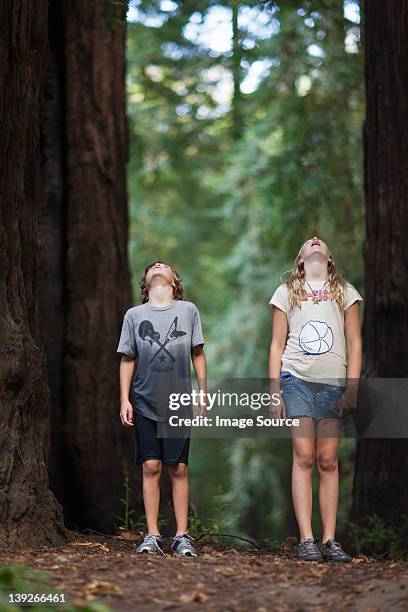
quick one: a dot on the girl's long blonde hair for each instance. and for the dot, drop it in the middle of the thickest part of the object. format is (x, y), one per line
(294, 279)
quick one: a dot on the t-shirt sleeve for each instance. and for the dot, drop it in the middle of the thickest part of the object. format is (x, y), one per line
(352, 296)
(197, 337)
(127, 341)
(280, 298)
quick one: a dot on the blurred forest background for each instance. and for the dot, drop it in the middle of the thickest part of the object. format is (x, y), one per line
(218, 136)
(245, 128)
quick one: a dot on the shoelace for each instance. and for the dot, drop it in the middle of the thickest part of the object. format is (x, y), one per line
(183, 538)
(335, 546)
(309, 544)
(149, 537)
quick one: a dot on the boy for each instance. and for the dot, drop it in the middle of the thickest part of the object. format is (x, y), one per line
(158, 338)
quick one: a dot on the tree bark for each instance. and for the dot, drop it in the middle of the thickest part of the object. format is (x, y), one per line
(96, 447)
(29, 512)
(382, 465)
(52, 247)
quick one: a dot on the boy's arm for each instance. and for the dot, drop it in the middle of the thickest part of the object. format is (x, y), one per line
(200, 369)
(127, 367)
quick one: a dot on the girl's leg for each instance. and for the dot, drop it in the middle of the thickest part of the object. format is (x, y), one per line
(303, 461)
(179, 478)
(152, 469)
(327, 447)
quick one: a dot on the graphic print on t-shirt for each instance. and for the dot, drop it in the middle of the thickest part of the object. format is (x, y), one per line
(316, 338)
(148, 333)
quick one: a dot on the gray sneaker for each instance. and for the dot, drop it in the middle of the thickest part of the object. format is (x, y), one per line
(309, 550)
(332, 551)
(182, 546)
(151, 544)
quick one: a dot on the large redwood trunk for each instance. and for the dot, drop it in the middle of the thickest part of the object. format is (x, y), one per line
(382, 465)
(29, 513)
(96, 447)
(52, 247)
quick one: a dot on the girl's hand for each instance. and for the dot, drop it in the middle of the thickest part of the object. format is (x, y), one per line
(126, 413)
(348, 401)
(277, 408)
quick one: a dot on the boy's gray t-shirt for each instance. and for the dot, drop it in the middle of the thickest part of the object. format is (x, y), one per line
(161, 339)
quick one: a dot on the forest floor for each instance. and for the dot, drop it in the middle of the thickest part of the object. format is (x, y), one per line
(107, 569)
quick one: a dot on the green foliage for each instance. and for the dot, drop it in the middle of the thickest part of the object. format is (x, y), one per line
(17, 577)
(21, 579)
(231, 214)
(196, 528)
(223, 517)
(219, 525)
(378, 539)
(125, 521)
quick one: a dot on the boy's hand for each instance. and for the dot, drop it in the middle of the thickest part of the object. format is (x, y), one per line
(277, 408)
(348, 401)
(126, 413)
(200, 409)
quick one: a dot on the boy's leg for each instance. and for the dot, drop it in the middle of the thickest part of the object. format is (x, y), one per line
(327, 446)
(149, 454)
(175, 456)
(303, 461)
(152, 469)
(179, 478)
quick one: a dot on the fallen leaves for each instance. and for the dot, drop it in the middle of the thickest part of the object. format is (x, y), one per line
(122, 534)
(96, 588)
(92, 544)
(196, 596)
(360, 560)
(365, 588)
(220, 578)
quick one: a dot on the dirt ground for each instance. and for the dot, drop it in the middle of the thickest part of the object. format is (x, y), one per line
(107, 569)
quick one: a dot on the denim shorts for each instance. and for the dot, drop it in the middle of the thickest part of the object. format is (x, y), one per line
(311, 399)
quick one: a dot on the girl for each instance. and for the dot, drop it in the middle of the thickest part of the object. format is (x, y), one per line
(315, 317)
(159, 338)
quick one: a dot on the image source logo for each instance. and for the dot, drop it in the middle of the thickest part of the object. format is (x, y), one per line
(316, 338)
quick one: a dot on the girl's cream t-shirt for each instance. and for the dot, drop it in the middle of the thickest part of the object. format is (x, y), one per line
(316, 346)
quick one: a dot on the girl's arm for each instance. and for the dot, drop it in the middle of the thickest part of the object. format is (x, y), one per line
(279, 335)
(127, 367)
(352, 330)
(200, 369)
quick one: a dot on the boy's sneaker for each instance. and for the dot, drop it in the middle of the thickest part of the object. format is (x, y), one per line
(332, 551)
(151, 544)
(309, 550)
(182, 546)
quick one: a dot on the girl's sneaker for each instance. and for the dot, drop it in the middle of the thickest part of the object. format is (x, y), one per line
(151, 544)
(309, 550)
(332, 551)
(182, 546)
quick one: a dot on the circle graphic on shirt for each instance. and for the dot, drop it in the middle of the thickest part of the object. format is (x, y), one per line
(316, 338)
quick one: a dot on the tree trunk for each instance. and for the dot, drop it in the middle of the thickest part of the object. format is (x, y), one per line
(29, 513)
(381, 469)
(96, 447)
(52, 247)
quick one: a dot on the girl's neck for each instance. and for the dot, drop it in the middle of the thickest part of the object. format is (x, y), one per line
(160, 294)
(315, 270)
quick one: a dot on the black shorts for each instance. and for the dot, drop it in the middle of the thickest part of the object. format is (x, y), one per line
(148, 446)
